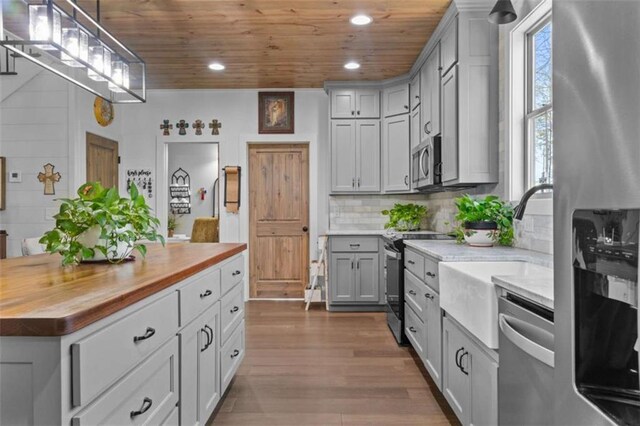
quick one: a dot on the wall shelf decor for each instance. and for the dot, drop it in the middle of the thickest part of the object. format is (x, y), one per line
(143, 179)
(49, 178)
(215, 126)
(198, 125)
(180, 192)
(182, 125)
(166, 127)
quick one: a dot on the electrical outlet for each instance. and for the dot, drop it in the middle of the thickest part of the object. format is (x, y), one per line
(15, 176)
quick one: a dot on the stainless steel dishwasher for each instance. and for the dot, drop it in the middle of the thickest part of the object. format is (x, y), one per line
(525, 376)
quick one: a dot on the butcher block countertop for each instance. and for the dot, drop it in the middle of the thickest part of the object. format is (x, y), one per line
(38, 297)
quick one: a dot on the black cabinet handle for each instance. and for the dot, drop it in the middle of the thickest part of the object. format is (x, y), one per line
(354, 245)
(208, 342)
(358, 112)
(411, 262)
(417, 97)
(431, 274)
(411, 292)
(457, 352)
(146, 404)
(406, 180)
(426, 127)
(413, 330)
(235, 309)
(353, 112)
(206, 294)
(150, 332)
(234, 273)
(235, 353)
(406, 107)
(429, 296)
(461, 367)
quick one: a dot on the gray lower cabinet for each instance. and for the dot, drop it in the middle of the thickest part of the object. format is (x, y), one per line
(199, 368)
(396, 150)
(432, 352)
(469, 376)
(355, 270)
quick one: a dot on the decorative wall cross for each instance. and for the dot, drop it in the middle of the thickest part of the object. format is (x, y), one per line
(215, 125)
(198, 125)
(183, 126)
(49, 178)
(165, 127)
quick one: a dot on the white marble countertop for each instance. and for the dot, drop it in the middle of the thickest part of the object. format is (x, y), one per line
(331, 232)
(538, 289)
(450, 251)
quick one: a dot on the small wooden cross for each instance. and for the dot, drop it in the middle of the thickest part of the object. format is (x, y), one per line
(183, 126)
(215, 125)
(198, 125)
(165, 127)
(49, 178)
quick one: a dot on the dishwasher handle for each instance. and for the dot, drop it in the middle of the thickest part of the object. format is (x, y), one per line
(532, 348)
(392, 254)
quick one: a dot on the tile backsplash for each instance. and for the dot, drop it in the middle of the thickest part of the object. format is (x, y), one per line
(362, 212)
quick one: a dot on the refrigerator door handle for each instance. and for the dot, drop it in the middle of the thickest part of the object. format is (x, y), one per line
(536, 351)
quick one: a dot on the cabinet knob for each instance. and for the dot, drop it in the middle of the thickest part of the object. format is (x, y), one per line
(417, 97)
(426, 127)
(305, 228)
(358, 112)
(235, 309)
(411, 262)
(235, 273)
(429, 296)
(406, 107)
(353, 112)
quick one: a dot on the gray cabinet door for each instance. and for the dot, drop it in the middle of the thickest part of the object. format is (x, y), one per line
(343, 104)
(343, 286)
(367, 156)
(209, 367)
(367, 103)
(450, 126)
(432, 319)
(430, 106)
(396, 152)
(414, 132)
(367, 277)
(343, 155)
(414, 91)
(449, 46)
(396, 100)
(484, 388)
(455, 383)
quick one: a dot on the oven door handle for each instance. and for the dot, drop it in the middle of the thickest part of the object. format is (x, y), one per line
(532, 348)
(392, 254)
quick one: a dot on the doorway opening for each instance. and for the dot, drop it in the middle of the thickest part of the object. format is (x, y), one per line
(193, 192)
(278, 220)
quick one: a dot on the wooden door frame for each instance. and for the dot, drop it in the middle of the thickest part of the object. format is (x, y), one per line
(306, 146)
(86, 147)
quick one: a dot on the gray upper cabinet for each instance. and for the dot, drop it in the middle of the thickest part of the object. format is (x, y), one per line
(415, 128)
(396, 100)
(363, 103)
(449, 148)
(355, 156)
(396, 175)
(449, 45)
(414, 92)
(367, 277)
(430, 89)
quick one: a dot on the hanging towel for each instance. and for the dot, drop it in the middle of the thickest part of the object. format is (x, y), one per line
(232, 189)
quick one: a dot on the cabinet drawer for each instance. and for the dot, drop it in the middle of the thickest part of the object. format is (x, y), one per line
(414, 329)
(354, 244)
(146, 396)
(201, 292)
(414, 293)
(232, 273)
(431, 274)
(232, 312)
(231, 355)
(414, 262)
(101, 358)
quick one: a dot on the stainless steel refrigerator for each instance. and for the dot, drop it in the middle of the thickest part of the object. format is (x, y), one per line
(596, 59)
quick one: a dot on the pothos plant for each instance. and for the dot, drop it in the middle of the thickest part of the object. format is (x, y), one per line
(405, 217)
(489, 209)
(119, 221)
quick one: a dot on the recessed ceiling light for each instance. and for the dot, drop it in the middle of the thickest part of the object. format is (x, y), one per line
(352, 65)
(216, 66)
(361, 20)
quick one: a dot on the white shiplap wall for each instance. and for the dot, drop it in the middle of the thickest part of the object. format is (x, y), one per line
(34, 131)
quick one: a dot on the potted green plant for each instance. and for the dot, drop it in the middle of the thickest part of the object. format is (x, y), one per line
(484, 221)
(405, 217)
(100, 225)
(172, 224)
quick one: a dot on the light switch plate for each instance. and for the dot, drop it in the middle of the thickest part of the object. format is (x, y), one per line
(15, 176)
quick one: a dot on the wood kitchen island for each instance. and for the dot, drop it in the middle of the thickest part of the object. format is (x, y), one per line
(154, 341)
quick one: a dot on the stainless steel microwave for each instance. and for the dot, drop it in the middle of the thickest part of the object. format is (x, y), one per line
(426, 164)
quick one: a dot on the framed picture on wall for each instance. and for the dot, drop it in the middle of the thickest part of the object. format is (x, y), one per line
(275, 112)
(3, 183)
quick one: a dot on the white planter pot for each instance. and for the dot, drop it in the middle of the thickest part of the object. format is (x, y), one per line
(91, 238)
(479, 238)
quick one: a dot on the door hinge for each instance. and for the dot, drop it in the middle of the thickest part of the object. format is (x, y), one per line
(118, 159)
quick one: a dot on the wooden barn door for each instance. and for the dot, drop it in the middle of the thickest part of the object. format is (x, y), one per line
(102, 160)
(278, 220)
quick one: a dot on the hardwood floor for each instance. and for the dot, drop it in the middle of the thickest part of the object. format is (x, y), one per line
(320, 368)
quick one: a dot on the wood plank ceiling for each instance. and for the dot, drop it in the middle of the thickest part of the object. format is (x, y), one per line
(270, 43)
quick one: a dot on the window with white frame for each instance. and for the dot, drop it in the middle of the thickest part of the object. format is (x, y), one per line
(539, 105)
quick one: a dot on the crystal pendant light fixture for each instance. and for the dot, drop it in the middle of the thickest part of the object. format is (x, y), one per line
(41, 28)
(120, 76)
(76, 42)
